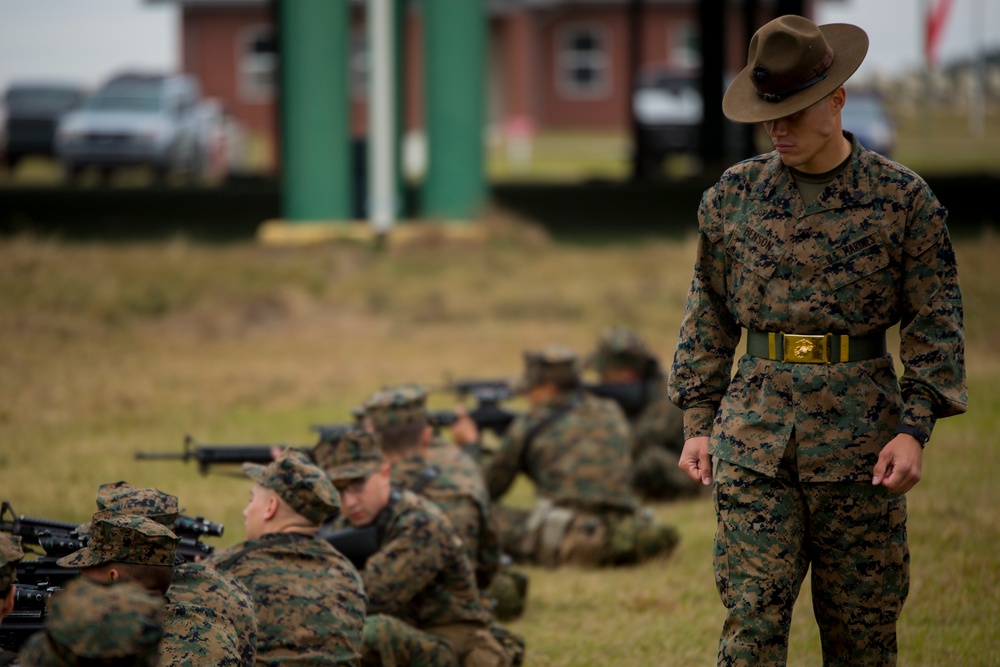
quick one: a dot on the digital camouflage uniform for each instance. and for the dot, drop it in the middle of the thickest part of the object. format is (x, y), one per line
(308, 598)
(119, 623)
(506, 584)
(461, 497)
(579, 461)
(658, 428)
(423, 603)
(208, 618)
(10, 555)
(872, 251)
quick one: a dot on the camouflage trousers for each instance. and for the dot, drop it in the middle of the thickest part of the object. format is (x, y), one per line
(390, 642)
(772, 530)
(655, 476)
(552, 536)
(475, 644)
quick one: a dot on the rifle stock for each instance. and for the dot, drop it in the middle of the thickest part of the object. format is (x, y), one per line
(357, 544)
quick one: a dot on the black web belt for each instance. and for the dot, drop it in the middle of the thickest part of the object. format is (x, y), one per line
(815, 348)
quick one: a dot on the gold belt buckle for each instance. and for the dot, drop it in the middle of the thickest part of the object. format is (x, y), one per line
(806, 349)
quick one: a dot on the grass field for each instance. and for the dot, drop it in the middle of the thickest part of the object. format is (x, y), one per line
(108, 349)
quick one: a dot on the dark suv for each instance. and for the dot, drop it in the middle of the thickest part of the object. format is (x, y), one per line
(33, 111)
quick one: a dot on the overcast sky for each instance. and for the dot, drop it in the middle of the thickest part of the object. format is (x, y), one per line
(87, 40)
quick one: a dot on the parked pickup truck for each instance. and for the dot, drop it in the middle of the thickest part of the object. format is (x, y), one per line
(135, 119)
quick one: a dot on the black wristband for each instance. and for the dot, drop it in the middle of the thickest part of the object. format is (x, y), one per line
(917, 433)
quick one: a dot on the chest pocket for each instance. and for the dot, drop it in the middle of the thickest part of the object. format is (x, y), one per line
(859, 275)
(750, 265)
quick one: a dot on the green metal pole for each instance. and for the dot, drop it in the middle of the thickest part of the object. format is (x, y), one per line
(316, 149)
(455, 43)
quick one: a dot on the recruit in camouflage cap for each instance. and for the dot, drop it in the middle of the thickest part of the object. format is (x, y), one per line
(397, 406)
(124, 538)
(619, 347)
(300, 483)
(10, 555)
(355, 455)
(99, 623)
(550, 364)
(123, 498)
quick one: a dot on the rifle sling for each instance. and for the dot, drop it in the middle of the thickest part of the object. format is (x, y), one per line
(277, 540)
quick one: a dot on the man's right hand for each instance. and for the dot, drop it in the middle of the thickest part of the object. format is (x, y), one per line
(696, 461)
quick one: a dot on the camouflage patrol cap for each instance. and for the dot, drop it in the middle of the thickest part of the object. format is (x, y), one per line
(124, 538)
(355, 455)
(550, 364)
(99, 622)
(300, 483)
(10, 555)
(123, 498)
(397, 406)
(619, 347)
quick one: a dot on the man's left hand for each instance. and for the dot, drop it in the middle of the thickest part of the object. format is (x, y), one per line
(898, 466)
(464, 431)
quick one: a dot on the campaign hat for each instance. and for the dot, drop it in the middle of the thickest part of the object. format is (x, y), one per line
(791, 64)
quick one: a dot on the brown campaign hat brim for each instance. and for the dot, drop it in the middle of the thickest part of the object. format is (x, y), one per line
(743, 105)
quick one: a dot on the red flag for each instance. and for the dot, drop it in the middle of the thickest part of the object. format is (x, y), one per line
(937, 14)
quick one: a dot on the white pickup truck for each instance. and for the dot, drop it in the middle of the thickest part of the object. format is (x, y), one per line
(135, 119)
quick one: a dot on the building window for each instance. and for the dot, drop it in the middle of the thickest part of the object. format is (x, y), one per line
(583, 62)
(258, 62)
(686, 51)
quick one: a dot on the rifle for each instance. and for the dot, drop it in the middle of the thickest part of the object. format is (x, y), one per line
(191, 530)
(357, 544)
(27, 617)
(209, 455)
(31, 530)
(487, 414)
(631, 397)
(58, 538)
(488, 417)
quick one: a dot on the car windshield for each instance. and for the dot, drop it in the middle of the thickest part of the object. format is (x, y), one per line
(123, 101)
(52, 100)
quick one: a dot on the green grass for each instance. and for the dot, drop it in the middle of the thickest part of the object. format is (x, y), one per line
(108, 349)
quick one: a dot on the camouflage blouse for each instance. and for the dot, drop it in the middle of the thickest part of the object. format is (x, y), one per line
(309, 600)
(580, 459)
(464, 501)
(871, 252)
(421, 574)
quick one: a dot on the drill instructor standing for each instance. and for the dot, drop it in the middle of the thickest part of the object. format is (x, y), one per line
(815, 249)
